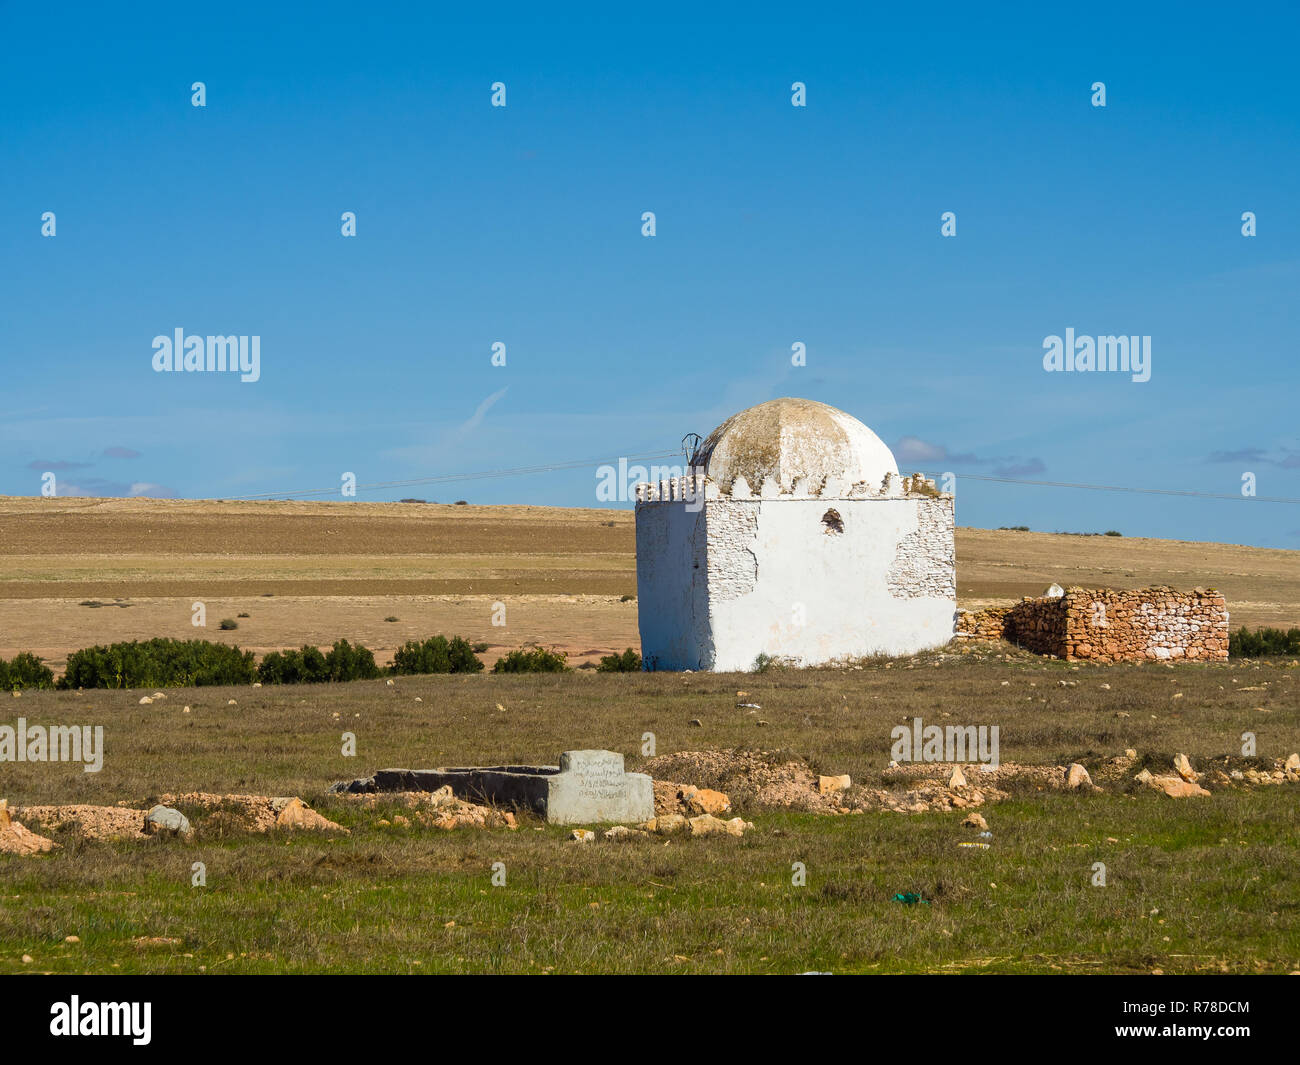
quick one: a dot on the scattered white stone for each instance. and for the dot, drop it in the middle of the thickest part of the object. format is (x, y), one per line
(834, 784)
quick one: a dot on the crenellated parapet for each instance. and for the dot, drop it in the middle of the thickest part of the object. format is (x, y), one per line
(685, 489)
(691, 487)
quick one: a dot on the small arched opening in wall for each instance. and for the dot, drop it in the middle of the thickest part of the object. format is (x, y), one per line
(832, 523)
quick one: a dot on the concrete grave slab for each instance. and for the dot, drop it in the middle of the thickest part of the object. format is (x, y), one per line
(586, 787)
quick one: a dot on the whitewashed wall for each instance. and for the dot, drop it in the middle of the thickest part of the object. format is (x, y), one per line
(672, 602)
(817, 597)
(779, 584)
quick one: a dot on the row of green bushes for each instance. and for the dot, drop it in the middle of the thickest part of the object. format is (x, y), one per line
(158, 663)
(541, 660)
(342, 662)
(1246, 644)
(164, 663)
(169, 663)
(25, 671)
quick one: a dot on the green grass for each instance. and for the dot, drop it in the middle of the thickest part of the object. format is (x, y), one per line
(1220, 874)
(1219, 871)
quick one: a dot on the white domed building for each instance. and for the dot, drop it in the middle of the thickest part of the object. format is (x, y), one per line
(792, 536)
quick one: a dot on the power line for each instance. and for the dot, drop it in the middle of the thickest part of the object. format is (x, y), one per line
(1123, 488)
(523, 471)
(451, 478)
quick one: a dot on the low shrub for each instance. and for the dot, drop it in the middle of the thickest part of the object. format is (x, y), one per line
(343, 662)
(532, 660)
(159, 663)
(628, 662)
(1246, 644)
(25, 671)
(306, 666)
(436, 655)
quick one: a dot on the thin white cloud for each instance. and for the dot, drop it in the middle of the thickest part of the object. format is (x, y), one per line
(481, 411)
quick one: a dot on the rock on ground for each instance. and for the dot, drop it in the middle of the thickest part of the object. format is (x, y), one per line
(773, 780)
(254, 813)
(1174, 787)
(980, 775)
(1077, 777)
(688, 799)
(674, 824)
(708, 825)
(764, 779)
(441, 809)
(16, 839)
(163, 820)
(1183, 767)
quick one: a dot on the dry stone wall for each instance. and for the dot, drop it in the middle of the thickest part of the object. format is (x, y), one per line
(1110, 625)
(1153, 624)
(990, 624)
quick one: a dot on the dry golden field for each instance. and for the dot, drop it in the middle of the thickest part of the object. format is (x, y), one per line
(1201, 885)
(311, 572)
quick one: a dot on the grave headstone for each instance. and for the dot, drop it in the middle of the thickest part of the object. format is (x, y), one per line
(586, 787)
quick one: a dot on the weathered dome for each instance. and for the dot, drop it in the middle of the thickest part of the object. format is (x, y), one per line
(791, 440)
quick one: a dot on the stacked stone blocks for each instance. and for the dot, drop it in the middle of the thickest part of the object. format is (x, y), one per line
(1110, 625)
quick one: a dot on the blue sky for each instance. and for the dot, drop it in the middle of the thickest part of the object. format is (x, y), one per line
(774, 225)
